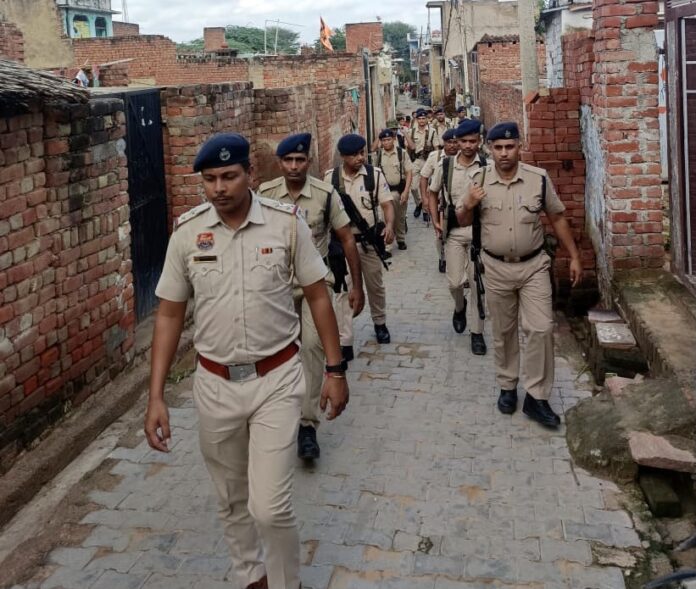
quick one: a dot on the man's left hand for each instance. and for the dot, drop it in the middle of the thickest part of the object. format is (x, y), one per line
(404, 197)
(356, 300)
(388, 234)
(334, 392)
(575, 271)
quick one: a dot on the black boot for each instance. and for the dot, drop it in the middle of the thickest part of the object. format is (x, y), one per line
(507, 401)
(417, 210)
(540, 411)
(347, 352)
(459, 320)
(307, 446)
(382, 333)
(478, 344)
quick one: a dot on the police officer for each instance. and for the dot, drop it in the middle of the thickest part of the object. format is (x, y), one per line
(440, 124)
(420, 142)
(350, 178)
(398, 169)
(461, 114)
(323, 210)
(237, 255)
(511, 196)
(450, 147)
(451, 181)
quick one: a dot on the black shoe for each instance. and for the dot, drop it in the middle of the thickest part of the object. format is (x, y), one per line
(401, 245)
(540, 411)
(417, 211)
(459, 320)
(442, 266)
(307, 447)
(382, 333)
(387, 255)
(507, 401)
(347, 352)
(478, 344)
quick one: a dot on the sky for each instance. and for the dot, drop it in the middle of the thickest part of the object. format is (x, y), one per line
(183, 20)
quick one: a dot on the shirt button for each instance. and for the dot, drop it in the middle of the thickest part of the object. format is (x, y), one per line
(510, 228)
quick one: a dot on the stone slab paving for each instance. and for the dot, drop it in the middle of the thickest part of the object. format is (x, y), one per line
(421, 485)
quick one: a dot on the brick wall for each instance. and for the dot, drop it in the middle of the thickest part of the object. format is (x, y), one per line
(66, 295)
(125, 29)
(214, 38)
(624, 104)
(114, 74)
(500, 61)
(369, 35)
(553, 143)
(501, 101)
(11, 42)
(578, 58)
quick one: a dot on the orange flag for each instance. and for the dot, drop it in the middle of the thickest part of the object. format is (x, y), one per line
(325, 34)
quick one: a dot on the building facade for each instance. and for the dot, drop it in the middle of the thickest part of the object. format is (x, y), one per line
(82, 19)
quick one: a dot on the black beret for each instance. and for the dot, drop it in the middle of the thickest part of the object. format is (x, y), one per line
(225, 149)
(504, 131)
(468, 127)
(386, 133)
(461, 109)
(447, 135)
(421, 112)
(351, 144)
(298, 143)
(438, 110)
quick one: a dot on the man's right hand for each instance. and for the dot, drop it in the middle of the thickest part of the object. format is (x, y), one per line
(157, 425)
(356, 300)
(476, 194)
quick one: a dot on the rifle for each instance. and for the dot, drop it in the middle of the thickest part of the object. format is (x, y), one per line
(367, 235)
(476, 256)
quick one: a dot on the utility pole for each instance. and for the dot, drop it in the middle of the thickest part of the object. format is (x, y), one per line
(124, 10)
(526, 12)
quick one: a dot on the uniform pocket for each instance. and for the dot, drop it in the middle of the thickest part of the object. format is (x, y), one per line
(529, 209)
(492, 210)
(267, 270)
(206, 276)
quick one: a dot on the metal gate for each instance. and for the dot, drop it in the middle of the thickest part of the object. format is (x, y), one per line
(147, 195)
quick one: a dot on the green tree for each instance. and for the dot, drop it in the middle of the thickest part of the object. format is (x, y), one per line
(338, 41)
(396, 35)
(251, 40)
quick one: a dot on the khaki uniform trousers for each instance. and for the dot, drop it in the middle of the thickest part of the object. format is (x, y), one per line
(399, 216)
(313, 361)
(459, 269)
(376, 296)
(248, 438)
(415, 182)
(521, 290)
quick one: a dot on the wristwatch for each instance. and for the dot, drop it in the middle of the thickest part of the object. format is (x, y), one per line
(342, 367)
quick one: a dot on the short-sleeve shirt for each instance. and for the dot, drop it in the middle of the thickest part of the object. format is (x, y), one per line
(394, 171)
(241, 279)
(423, 137)
(312, 204)
(511, 210)
(439, 128)
(355, 188)
(434, 158)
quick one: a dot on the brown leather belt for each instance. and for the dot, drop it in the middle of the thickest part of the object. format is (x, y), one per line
(239, 372)
(515, 260)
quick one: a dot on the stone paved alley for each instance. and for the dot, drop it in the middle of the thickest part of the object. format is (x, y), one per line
(422, 484)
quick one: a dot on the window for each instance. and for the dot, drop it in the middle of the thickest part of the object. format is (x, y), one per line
(80, 25)
(100, 26)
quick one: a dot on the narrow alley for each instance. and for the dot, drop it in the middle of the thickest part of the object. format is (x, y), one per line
(422, 483)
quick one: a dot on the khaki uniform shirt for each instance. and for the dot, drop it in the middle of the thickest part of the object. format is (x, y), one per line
(394, 171)
(434, 158)
(511, 210)
(355, 188)
(240, 279)
(439, 129)
(422, 137)
(312, 204)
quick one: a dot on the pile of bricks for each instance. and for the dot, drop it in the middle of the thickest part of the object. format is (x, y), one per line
(11, 42)
(115, 74)
(553, 143)
(66, 294)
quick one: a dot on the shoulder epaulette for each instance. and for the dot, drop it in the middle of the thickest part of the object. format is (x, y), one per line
(320, 184)
(271, 184)
(188, 215)
(534, 169)
(278, 206)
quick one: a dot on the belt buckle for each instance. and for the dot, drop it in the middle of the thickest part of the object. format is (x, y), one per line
(241, 372)
(512, 259)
